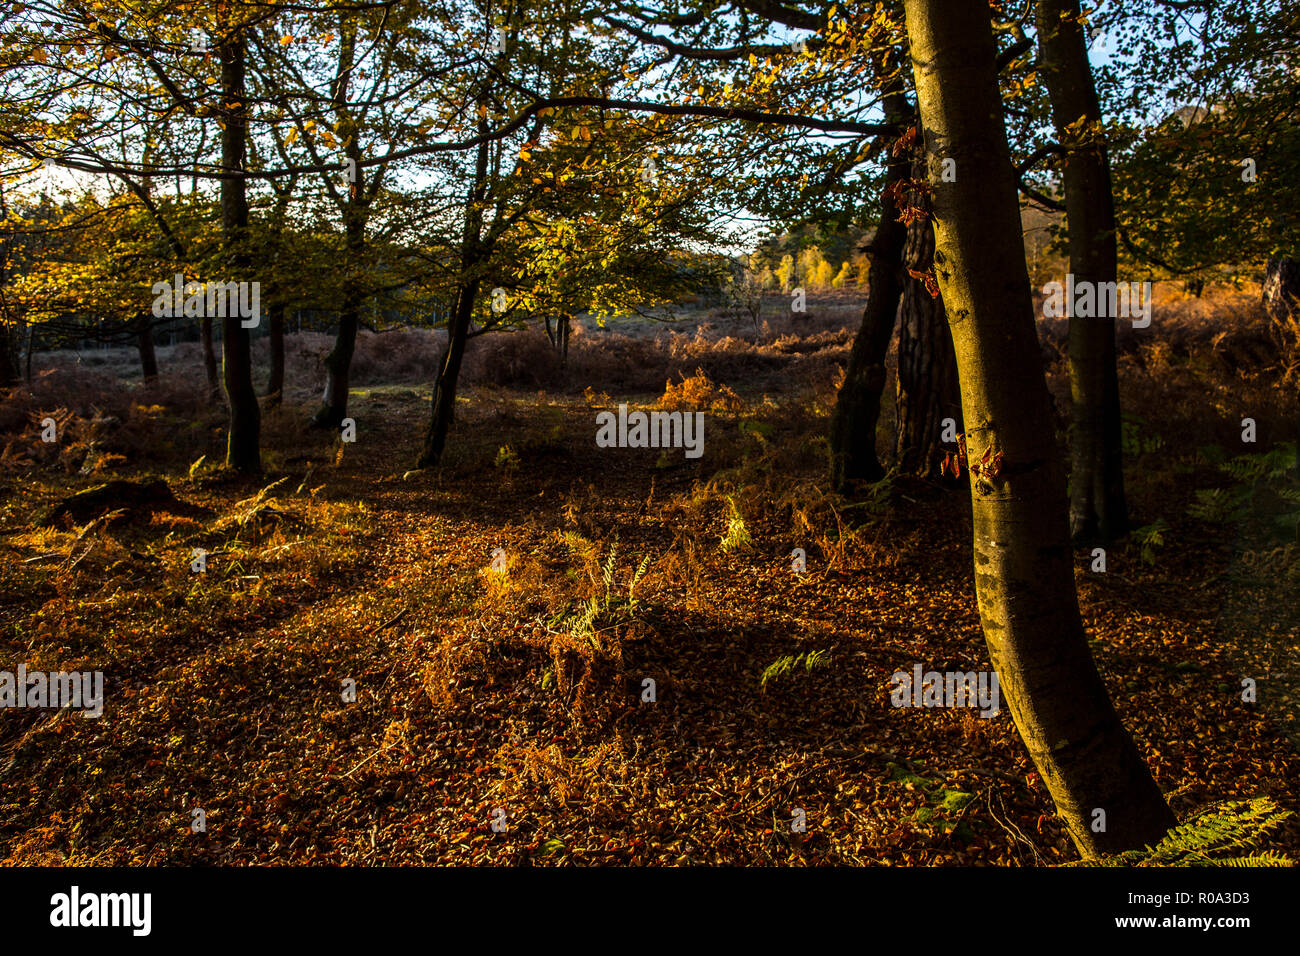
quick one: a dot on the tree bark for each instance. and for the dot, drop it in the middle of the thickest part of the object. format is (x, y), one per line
(565, 324)
(338, 364)
(243, 444)
(444, 391)
(471, 258)
(275, 329)
(927, 389)
(1024, 575)
(857, 406)
(1098, 510)
(10, 355)
(209, 357)
(148, 357)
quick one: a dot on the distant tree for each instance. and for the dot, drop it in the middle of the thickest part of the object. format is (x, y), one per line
(785, 272)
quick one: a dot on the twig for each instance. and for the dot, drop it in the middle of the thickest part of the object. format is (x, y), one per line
(384, 749)
(391, 621)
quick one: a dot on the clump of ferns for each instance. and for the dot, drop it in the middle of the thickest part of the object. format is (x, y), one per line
(607, 609)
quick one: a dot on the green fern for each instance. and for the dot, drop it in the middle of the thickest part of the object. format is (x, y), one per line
(1226, 834)
(783, 665)
(737, 537)
(1216, 506)
(606, 608)
(1149, 537)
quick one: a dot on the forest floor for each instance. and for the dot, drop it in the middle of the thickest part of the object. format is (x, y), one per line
(499, 619)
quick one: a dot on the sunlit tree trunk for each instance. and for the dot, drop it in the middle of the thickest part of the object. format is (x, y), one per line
(1024, 576)
(243, 453)
(1098, 510)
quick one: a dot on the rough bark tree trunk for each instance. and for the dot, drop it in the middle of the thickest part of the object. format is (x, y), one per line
(243, 444)
(1098, 510)
(927, 389)
(1024, 575)
(857, 406)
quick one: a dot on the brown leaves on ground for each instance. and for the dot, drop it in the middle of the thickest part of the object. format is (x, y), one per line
(596, 692)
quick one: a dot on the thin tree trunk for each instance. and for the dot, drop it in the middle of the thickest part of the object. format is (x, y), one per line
(1024, 575)
(243, 451)
(209, 357)
(338, 364)
(857, 406)
(275, 382)
(472, 255)
(1098, 510)
(148, 357)
(10, 355)
(444, 392)
(927, 389)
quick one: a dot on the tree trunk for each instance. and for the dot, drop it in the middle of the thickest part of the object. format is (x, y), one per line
(243, 445)
(11, 349)
(148, 357)
(471, 258)
(334, 402)
(275, 383)
(209, 357)
(927, 389)
(857, 406)
(444, 391)
(1024, 575)
(1281, 297)
(1098, 510)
